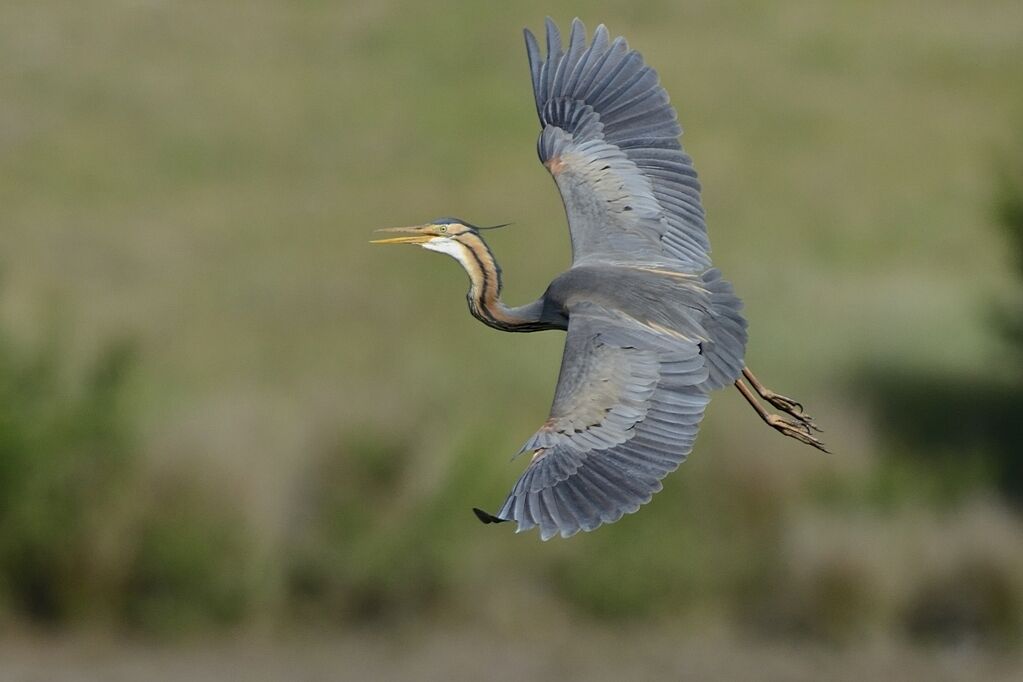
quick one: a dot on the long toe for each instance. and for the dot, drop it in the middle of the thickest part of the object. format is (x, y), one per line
(784, 403)
(799, 431)
(793, 409)
(806, 421)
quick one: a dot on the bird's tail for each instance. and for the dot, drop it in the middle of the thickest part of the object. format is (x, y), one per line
(726, 328)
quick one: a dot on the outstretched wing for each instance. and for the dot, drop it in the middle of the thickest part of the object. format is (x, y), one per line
(610, 139)
(626, 410)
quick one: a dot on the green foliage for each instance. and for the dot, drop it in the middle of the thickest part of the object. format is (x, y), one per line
(942, 476)
(357, 552)
(73, 541)
(1009, 211)
(837, 598)
(189, 566)
(978, 598)
(710, 555)
(64, 456)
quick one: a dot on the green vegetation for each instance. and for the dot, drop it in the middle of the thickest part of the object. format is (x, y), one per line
(301, 423)
(357, 554)
(188, 567)
(63, 462)
(1009, 205)
(76, 540)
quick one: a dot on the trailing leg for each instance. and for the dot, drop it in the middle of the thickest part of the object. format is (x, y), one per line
(799, 430)
(787, 405)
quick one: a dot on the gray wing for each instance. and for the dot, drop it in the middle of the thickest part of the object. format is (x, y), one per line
(610, 139)
(626, 411)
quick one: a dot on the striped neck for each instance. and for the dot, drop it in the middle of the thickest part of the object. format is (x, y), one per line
(484, 294)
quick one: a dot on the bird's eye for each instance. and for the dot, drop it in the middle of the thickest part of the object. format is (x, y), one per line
(443, 228)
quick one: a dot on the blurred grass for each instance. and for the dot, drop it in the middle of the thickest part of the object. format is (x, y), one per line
(1009, 211)
(202, 178)
(79, 541)
(187, 567)
(63, 460)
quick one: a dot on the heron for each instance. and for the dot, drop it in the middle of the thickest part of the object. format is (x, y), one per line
(651, 326)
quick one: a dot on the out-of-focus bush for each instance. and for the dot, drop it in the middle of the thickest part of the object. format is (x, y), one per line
(695, 550)
(953, 434)
(65, 450)
(832, 579)
(950, 579)
(968, 582)
(357, 551)
(188, 565)
(1009, 211)
(77, 539)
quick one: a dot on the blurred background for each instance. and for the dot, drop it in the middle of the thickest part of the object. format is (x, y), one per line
(237, 440)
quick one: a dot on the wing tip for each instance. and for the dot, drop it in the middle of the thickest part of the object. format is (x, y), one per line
(553, 37)
(487, 517)
(577, 34)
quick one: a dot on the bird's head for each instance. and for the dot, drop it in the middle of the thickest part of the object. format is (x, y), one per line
(452, 236)
(445, 235)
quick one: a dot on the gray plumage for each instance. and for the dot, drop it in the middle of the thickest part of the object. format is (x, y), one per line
(630, 190)
(652, 328)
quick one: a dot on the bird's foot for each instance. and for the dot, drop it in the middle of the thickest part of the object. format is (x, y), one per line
(791, 407)
(801, 425)
(800, 430)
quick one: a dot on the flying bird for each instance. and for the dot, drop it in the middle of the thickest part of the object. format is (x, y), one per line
(652, 327)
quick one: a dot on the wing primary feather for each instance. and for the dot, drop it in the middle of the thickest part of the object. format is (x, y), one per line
(583, 510)
(559, 74)
(520, 508)
(553, 510)
(635, 103)
(535, 63)
(643, 78)
(596, 491)
(603, 80)
(533, 511)
(553, 37)
(553, 56)
(571, 521)
(604, 59)
(576, 45)
(577, 36)
(580, 63)
(548, 524)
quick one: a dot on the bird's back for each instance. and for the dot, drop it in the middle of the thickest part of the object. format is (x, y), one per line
(692, 307)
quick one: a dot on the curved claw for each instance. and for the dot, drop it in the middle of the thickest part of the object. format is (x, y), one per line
(806, 421)
(799, 431)
(784, 403)
(793, 408)
(801, 426)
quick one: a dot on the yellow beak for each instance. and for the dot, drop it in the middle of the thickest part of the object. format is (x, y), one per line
(417, 234)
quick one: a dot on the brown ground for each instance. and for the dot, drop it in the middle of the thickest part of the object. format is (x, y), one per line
(462, 655)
